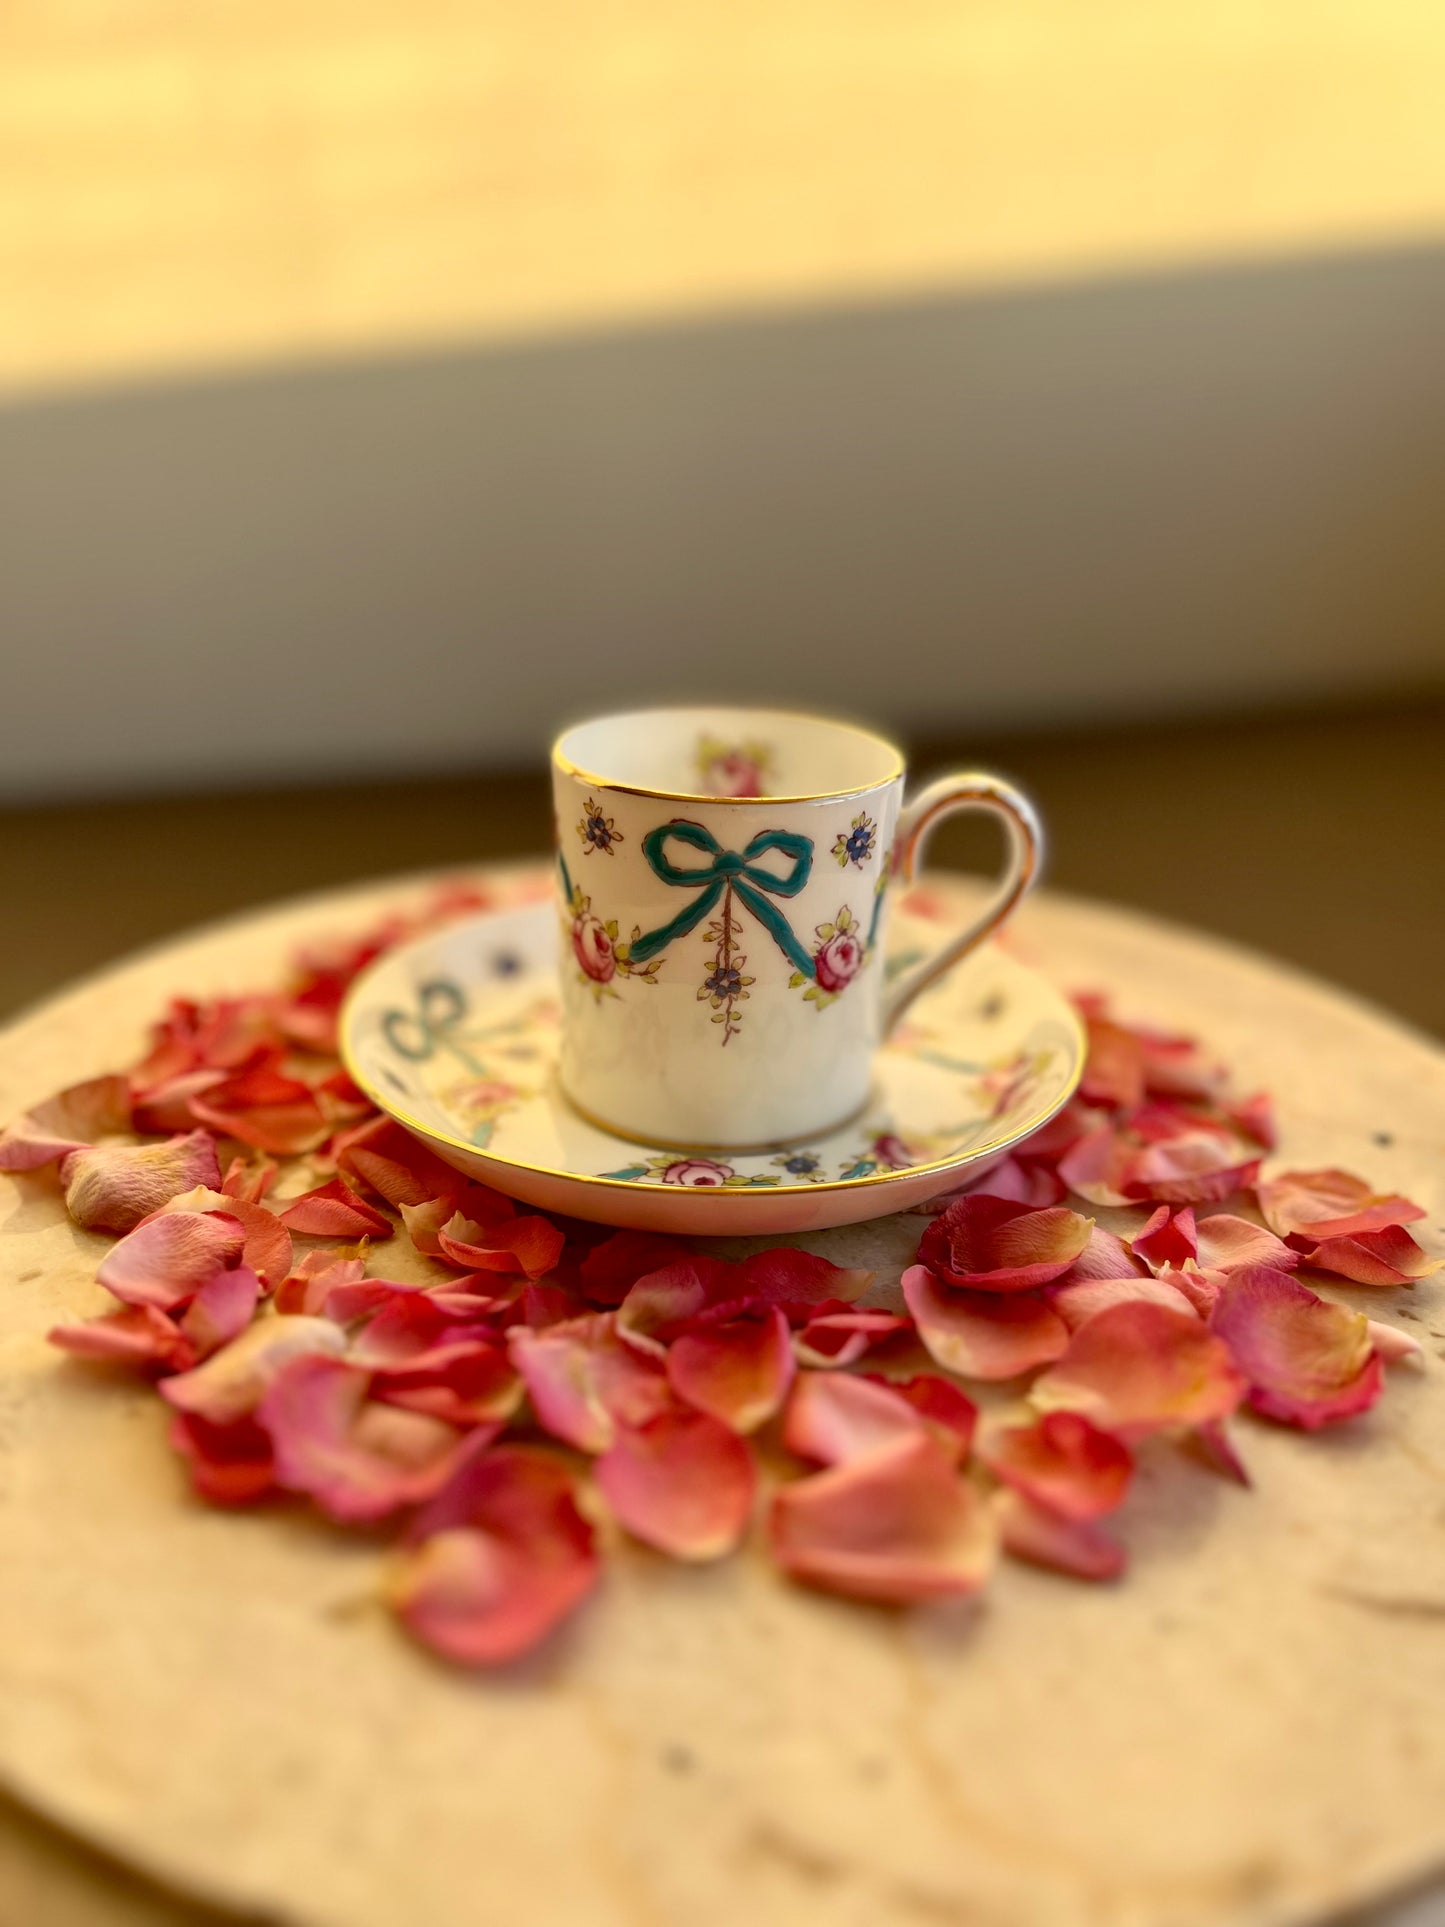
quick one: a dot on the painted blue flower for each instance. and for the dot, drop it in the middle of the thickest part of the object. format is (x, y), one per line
(855, 845)
(725, 981)
(597, 830)
(802, 1165)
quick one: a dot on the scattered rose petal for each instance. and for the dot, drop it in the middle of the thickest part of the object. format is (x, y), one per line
(1079, 1547)
(1329, 1204)
(498, 1559)
(1063, 1462)
(70, 1121)
(267, 1248)
(1227, 1243)
(1254, 1119)
(135, 1335)
(473, 1384)
(662, 1304)
(1389, 1256)
(1214, 1446)
(1308, 1362)
(334, 1211)
(166, 1260)
(530, 1245)
(835, 1417)
(1076, 1304)
(1169, 1238)
(220, 1311)
(838, 1338)
(612, 1267)
(1019, 1182)
(1394, 1346)
(310, 1287)
(231, 1383)
(357, 1460)
(112, 1187)
(230, 1464)
(393, 1164)
(787, 1276)
(945, 1408)
(1139, 1368)
(265, 1108)
(249, 1178)
(896, 1525)
(584, 1380)
(683, 1482)
(989, 1244)
(1104, 1256)
(983, 1334)
(738, 1371)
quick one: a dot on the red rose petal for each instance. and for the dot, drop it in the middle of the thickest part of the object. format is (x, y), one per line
(357, 1460)
(230, 1465)
(738, 1371)
(267, 1248)
(1308, 1362)
(166, 1260)
(897, 1525)
(663, 1303)
(838, 1338)
(1329, 1204)
(530, 1245)
(1139, 1368)
(787, 1276)
(944, 1407)
(1077, 1547)
(498, 1559)
(70, 1121)
(612, 1267)
(1063, 1462)
(1169, 1238)
(310, 1287)
(249, 1179)
(584, 1380)
(265, 1108)
(1019, 1182)
(983, 1334)
(334, 1211)
(683, 1482)
(1389, 1256)
(393, 1164)
(989, 1244)
(231, 1383)
(112, 1187)
(473, 1384)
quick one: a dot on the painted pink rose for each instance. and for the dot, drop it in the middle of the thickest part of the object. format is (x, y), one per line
(736, 774)
(893, 1152)
(593, 948)
(696, 1171)
(839, 960)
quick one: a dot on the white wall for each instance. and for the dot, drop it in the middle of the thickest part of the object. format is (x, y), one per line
(1208, 489)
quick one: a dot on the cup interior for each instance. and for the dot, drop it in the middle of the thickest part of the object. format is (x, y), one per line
(713, 754)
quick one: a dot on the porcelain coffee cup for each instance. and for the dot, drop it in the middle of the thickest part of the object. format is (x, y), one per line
(724, 878)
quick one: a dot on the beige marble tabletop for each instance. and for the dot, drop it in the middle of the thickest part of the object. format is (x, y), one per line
(1246, 1730)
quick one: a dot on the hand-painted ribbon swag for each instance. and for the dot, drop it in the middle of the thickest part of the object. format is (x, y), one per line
(440, 1009)
(750, 883)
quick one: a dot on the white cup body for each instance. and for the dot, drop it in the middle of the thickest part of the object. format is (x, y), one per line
(721, 954)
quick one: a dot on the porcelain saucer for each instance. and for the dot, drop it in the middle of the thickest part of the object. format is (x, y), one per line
(455, 1035)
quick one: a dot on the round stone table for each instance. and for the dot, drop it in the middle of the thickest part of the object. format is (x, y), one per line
(1249, 1728)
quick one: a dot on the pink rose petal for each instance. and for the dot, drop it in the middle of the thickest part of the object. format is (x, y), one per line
(1394, 1346)
(262, 1106)
(983, 1334)
(584, 1380)
(1169, 1238)
(1226, 1243)
(112, 1187)
(1329, 1204)
(334, 1211)
(1063, 1462)
(166, 1260)
(662, 1304)
(1104, 1256)
(897, 1525)
(357, 1460)
(1076, 1304)
(135, 1335)
(249, 1179)
(71, 1121)
(1020, 1182)
(945, 1408)
(989, 1244)
(231, 1383)
(473, 1384)
(310, 1287)
(531, 1245)
(1078, 1547)
(267, 1249)
(738, 1371)
(393, 1164)
(1139, 1368)
(1389, 1256)
(220, 1311)
(787, 1276)
(683, 1482)
(497, 1560)
(1308, 1362)
(835, 1417)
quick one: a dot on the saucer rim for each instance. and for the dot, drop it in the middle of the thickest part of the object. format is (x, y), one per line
(911, 1173)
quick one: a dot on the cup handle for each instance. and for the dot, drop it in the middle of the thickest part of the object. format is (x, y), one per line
(970, 790)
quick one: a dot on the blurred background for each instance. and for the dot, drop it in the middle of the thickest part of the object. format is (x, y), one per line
(1059, 385)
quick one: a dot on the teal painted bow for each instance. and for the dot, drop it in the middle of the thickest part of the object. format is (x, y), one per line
(751, 884)
(440, 1008)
